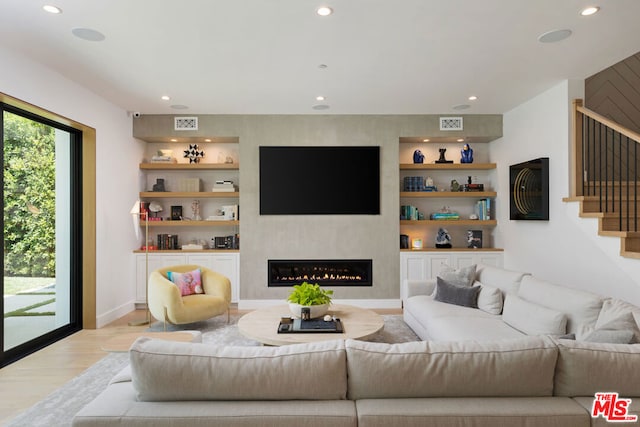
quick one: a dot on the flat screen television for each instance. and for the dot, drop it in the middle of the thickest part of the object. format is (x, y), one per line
(313, 180)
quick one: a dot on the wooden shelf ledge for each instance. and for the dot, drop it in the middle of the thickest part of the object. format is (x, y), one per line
(450, 194)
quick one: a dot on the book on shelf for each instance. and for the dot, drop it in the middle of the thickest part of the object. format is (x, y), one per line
(483, 209)
(163, 159)
(167, 241)
(445, 216)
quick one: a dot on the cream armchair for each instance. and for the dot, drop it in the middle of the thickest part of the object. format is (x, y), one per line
(166, 303)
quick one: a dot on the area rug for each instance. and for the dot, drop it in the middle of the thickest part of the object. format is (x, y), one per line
(59, 407)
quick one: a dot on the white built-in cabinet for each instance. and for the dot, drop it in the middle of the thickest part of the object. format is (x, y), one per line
(226, 263)
(418, 265)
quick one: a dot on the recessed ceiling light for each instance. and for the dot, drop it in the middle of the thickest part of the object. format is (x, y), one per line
(52, 9)
(165, 97)
(324, 11)
(554, 36)
(460, 139)
(320, 98)
(320, 107)
(588, 11)
(473, 98)
(179, 107)
(461, 106)
(88, 34)
(207, 140)
(173, 140)
(425, 140)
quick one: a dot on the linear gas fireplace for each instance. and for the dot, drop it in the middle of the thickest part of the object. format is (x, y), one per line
(325, 272)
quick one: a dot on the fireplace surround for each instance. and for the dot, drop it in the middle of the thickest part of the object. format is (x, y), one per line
(325, 272)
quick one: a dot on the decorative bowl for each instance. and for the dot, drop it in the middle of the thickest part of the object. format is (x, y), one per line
(316, 310)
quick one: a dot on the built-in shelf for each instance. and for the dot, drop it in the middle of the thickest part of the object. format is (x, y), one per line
(190, 166)
(188, 251)
(188, 194)
(465, 222)
(452, 194)
(447, 166)
(190, 223)
(463, 249)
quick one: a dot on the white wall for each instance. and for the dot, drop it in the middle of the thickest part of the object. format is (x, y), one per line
(118, 155)
(565, 249)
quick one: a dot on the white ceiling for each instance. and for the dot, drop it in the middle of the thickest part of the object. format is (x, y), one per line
(262, 56)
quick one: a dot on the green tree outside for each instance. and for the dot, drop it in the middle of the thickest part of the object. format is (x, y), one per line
(29, 198)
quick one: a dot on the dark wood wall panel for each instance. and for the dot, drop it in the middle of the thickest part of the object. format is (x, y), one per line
(615, 92)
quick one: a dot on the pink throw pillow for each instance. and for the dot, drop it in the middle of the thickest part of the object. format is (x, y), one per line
(189, 283)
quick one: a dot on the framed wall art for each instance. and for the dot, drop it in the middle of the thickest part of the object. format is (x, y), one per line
(529, 190)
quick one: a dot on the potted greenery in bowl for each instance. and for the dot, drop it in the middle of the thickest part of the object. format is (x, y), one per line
(312, 296)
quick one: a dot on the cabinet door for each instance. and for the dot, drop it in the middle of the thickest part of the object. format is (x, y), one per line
(413, 266)
(494, 259)
(461, 260)
(434, 264)
(156, 261)
(205, 260)
(228, 264)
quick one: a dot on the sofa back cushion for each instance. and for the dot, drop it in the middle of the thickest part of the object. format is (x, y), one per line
(533, 319)
(506, 280)
(173, 371)
(581, 308)
(519, 367)
(585, 368)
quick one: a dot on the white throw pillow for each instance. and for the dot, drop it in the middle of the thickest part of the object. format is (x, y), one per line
(490, 299)
(461, 277)
(533, 319)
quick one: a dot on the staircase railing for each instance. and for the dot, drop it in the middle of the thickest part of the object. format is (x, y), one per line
(605, 165)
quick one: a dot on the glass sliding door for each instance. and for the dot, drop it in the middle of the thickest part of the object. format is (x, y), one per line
(41, 238)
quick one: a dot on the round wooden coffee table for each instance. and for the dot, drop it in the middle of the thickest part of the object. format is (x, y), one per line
(262, 325)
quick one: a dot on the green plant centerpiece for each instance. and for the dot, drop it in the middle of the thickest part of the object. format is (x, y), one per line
(312, 296)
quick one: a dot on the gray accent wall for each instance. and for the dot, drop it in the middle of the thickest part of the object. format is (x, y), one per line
(373, 237)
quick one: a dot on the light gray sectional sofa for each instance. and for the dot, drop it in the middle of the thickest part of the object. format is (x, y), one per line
(513, 304)
(529, 381)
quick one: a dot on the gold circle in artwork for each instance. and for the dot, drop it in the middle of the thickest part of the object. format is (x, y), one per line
(525, 191)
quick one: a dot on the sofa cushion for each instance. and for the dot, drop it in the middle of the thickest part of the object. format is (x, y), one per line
(587, 403)
(519, 367)
(581, 308)
(585, 368)
(165, 370)
(621, 336)
(507, 281)
(613, 310)
(437, 321)
(490, 299)
(466, 296)
(460, 277)
(533, 319)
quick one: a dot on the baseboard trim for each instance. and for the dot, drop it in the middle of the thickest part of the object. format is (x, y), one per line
(364, 303)
(115, 314)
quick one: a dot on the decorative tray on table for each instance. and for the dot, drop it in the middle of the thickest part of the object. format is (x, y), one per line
(298, 326)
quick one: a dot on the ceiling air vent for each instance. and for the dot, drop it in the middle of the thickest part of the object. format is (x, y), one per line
(185, 123)
(450, 123)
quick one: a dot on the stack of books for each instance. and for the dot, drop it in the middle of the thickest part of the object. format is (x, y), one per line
(224, 186)
(408, 212)
(163, 159)
(483, 209)
(413, 183)
(473, 187)
(445, 216)
(167, 241)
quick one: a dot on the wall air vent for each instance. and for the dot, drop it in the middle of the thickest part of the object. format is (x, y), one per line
(450, 123)
(185, 123)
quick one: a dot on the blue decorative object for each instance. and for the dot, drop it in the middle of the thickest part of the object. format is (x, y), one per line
(443, 239)
(418, 157)
(467, 154)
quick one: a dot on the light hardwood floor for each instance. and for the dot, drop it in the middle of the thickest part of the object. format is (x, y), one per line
(31, 379)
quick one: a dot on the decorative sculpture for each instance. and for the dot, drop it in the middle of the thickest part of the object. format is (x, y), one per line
(466, 154)
(194, 154)
(442, 159)
(418, 157)
(443, 239)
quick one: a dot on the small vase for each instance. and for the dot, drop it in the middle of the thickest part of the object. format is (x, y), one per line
(316, 310)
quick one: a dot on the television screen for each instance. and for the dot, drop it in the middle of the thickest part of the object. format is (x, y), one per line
(319, 180)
